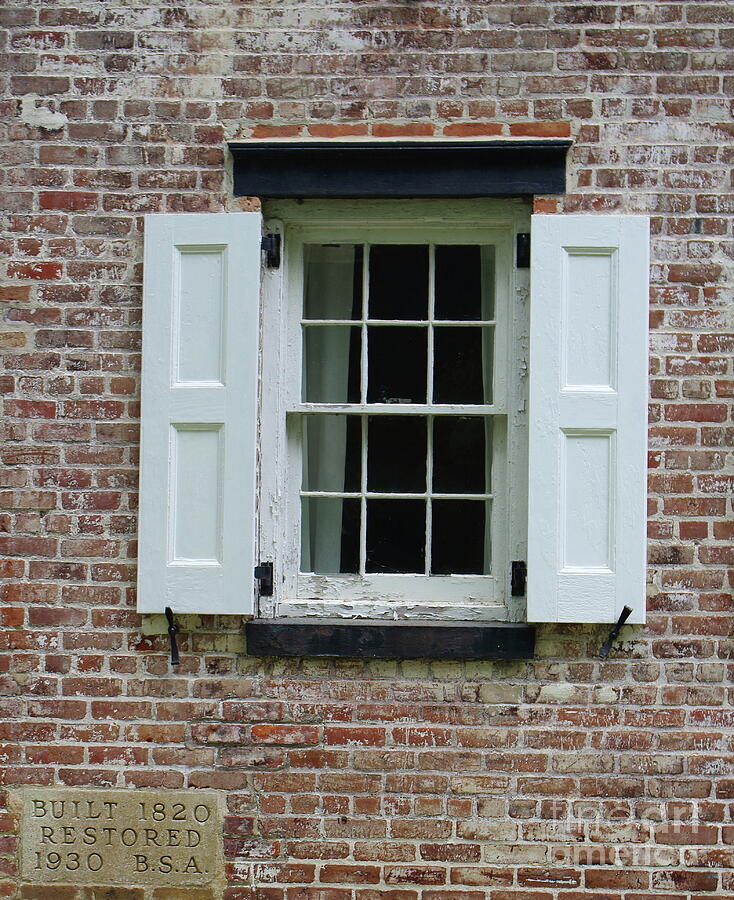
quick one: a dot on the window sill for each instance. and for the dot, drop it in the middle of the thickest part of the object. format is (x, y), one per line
(376, 639)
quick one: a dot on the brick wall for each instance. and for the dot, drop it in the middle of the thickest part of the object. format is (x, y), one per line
(559, 778)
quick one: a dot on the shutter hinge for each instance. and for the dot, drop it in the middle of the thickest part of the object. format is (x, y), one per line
(518, 577)
(270, 246)
(522, 250)
(264, 574)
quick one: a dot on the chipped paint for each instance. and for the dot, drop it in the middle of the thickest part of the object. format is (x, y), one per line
(40, 116)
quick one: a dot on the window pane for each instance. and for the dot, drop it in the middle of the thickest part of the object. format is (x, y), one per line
(331, 363)
(398, 281)
(460, 537)
(332, 456)
(396, 535)
(332, 281)
(464, 282)
(396, 454)
(329, 535)
(396, 364)
(462, 364)
(462, 454)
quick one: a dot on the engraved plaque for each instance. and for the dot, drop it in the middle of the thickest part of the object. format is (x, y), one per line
(128, 837)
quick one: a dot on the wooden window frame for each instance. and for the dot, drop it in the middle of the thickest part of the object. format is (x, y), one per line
(439, 598)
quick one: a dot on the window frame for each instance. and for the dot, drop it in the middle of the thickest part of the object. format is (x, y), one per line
(449, 221)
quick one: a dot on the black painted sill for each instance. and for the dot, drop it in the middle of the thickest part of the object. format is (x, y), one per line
(377, 639)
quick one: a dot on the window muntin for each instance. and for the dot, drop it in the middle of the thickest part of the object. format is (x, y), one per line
(379, 327)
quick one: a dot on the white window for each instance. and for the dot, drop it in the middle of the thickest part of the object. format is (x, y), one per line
(359, 416)
(395, 354)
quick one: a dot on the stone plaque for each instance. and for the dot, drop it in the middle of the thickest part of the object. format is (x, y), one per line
(111, 837)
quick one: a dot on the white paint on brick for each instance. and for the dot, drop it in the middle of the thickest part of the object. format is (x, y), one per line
(40, 116)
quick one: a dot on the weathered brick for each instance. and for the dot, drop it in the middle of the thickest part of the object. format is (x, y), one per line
(389, 780)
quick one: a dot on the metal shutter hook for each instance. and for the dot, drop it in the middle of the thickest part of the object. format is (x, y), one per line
(172, 632)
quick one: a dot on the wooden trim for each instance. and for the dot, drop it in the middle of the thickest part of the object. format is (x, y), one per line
(373, 639)
(271, 169)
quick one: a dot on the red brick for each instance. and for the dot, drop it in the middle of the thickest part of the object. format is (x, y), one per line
(40, 271)
(57, 709)
(68, 200)
(414, 875)
(276, 131)
(693, 530)
(43, 616)
(540, 129)
(550, 878)
(696, 412)
(473, 129)
(350, 735)
(446, 852)
(86, 500)
(694, 506)
(349, 874)
(284, 734)
(92, 409)
(27, 546)
(121, 709)
(681, 833)
(335, 131)
(414, 129)
(616, 878)
(715, 484)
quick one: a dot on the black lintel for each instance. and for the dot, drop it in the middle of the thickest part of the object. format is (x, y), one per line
(399, 168)
(376, 639)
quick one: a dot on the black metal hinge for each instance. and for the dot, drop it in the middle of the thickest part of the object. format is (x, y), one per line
(270, 246)
(518, 577)
(522, 250)
(264, 574)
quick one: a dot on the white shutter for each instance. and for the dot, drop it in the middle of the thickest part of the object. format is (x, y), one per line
(199, 413)
(588, 418)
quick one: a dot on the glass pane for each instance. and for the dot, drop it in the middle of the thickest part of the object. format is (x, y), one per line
(396, 454)
(464, 282)
(332, 456)
(396, 535)
(329, 535)
(398, 281)
(460, 537)
(331, 363)
(332, 281)
(462, 364)
(396, 364)
(462, 454)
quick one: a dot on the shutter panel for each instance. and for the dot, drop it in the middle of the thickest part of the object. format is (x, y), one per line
(199, 413)
(588, 418)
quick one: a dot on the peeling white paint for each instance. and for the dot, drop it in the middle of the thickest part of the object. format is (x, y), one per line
(40, 116)
(605, 694)
(344, 41)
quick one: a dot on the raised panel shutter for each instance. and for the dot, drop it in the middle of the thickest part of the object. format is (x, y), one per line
(588, 418)
(199, 413)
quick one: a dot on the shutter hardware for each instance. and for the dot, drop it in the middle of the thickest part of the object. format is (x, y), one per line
(518, 575)
(614, 633)
(522, 250)
(270, 245)
(264, 574)
(172, 631)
